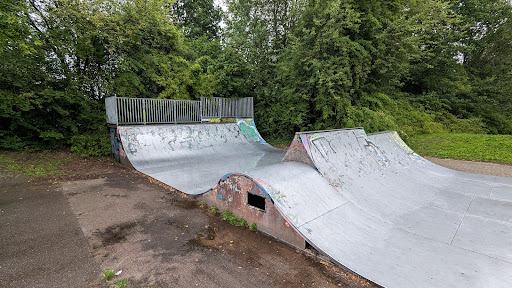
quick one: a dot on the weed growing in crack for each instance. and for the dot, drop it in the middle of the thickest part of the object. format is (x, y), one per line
(233, 219)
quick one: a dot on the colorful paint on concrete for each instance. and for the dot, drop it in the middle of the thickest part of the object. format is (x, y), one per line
(249, 130)
(117, 151)
(233, 192)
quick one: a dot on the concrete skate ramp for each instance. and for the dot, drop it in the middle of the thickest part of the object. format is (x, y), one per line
(192, 158)
(394, 227)
(386, 214)
(398, 153)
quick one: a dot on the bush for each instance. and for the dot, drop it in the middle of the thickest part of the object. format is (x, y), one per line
(370, 120)
(457, 125)
(11, 142)
(91, 145)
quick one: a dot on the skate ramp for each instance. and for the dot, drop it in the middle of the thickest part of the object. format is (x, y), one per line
(395, 228)
(386, 214)
(192, 158)
(397, 151)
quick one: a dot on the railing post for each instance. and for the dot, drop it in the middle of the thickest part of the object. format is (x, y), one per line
(175, 117)
(237, 108)
(201, 109)
(144, 111)
(220, 108)
(117, 115)
(252, 107)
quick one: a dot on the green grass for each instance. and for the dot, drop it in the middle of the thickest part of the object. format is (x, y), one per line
(108, 275)
(35, 164)
(123, 283)
(477, 147)
(233, 219)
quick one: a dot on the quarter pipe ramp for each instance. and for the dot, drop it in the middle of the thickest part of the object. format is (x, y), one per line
(400, 228)
(193, 157)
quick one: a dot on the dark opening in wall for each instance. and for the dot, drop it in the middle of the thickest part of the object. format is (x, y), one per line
(256, 201)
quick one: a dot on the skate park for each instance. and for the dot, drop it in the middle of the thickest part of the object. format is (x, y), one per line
(366, 201)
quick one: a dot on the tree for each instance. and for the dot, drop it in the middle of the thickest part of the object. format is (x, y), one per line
(198, 18)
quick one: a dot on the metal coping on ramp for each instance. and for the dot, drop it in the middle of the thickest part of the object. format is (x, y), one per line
(366, 201)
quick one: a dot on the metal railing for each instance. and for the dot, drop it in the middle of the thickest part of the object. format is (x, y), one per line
(122, 110)
(217, 107)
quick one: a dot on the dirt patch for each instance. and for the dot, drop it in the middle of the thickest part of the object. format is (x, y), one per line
(261, 252)
(115, 234)
(282, 147)
(185, 204)
(203, 239)
(504, 170)
(9, 178)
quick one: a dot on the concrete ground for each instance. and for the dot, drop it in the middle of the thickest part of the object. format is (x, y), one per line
(64, 231)
(41, 243)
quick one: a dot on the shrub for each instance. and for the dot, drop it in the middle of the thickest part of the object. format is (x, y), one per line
(11, 142)
(91, 145)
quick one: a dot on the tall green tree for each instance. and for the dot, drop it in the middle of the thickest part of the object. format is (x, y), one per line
(198, 18)
(489, 61)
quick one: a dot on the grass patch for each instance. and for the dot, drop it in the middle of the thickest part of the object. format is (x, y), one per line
(123, 283)
(214, 209)
(477, 147)
(253, 227)
(35, 164)
(108, 275)
(233, 219)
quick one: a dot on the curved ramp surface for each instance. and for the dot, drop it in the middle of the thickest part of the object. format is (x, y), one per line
(396, 228)
(192, 158)
(397, 151)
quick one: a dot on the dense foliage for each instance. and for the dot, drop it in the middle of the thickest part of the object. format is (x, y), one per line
(413, 66)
